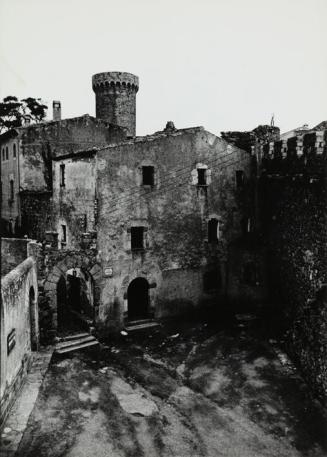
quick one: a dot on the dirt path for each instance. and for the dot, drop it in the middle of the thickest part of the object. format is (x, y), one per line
(196, 392)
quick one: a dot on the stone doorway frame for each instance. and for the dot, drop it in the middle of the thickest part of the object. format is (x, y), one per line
(60, 269)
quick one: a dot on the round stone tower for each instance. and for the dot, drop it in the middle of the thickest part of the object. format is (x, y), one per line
(115, 98)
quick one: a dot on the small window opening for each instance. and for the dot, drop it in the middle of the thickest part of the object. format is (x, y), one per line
(14, 151)
(202, 177)
(212, 280)
(239, 174)
(137, 238)
(64, 233)
(11, 191)
(213, 230)
(7, 154)
(148, 176)
(62, 175)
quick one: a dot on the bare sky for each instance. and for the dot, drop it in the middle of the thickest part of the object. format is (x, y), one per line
(223, 64)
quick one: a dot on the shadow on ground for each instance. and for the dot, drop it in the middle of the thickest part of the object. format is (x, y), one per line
(214, 388)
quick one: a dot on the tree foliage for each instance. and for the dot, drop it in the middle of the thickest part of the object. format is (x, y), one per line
(15, 113)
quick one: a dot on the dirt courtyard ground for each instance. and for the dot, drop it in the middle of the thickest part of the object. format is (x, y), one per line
(185, 390)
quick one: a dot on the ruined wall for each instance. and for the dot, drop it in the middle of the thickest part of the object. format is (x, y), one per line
(74, 203)
(294, 217)
(19, 329)
(174, 213)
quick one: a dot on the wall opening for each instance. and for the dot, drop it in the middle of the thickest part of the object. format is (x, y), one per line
(62, 175)
(75, 300)
(202, 177)
(138, 299)
(213, 227)
(148, 176)
(33, 320)
(137, 238)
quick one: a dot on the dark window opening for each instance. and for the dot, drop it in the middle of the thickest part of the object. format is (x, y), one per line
(239, 178)
(148, 176)
(14, 151)
(11, 191)
(64, 233)
(202, 177)
(137, 238)
(213, 230)
(62, 175)
(212, 280)
(7, 154)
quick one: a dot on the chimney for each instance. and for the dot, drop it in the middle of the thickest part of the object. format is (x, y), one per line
(56, 109)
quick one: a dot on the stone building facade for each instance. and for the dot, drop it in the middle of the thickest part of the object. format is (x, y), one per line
(26, 168)
(155, 226)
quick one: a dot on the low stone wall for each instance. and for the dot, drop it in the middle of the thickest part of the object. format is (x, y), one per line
(19, 329)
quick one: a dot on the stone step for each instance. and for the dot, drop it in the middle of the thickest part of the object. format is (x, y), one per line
(75, 341)
(145, 326)
(139, 321)
(74, 336)
(76, 347)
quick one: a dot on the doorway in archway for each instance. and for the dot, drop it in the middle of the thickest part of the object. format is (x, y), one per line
(75, 305)
(138, 299)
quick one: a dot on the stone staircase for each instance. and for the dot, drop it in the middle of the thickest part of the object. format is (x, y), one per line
(141, 325)
(75, 342)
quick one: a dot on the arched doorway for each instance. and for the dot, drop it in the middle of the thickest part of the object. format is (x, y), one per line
(138, 299)
(33, 320)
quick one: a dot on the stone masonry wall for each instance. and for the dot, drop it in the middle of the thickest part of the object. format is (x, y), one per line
(294, 219)
(19, 329)
(174, 213)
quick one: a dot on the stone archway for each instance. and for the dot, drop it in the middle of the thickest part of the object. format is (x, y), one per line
(60, 270)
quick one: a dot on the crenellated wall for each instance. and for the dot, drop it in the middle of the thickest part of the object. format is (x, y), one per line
(293, 213)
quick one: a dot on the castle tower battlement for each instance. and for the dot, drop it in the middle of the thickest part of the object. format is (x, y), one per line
(115, 95)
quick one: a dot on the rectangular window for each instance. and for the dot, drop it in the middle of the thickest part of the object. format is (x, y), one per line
(202, 178)
(64, 234)
(11, 191)
(7, 154)
(148, 176)
(137, 238)
(239, 175)
(62, 175)
(14, 151)
(213, 226)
